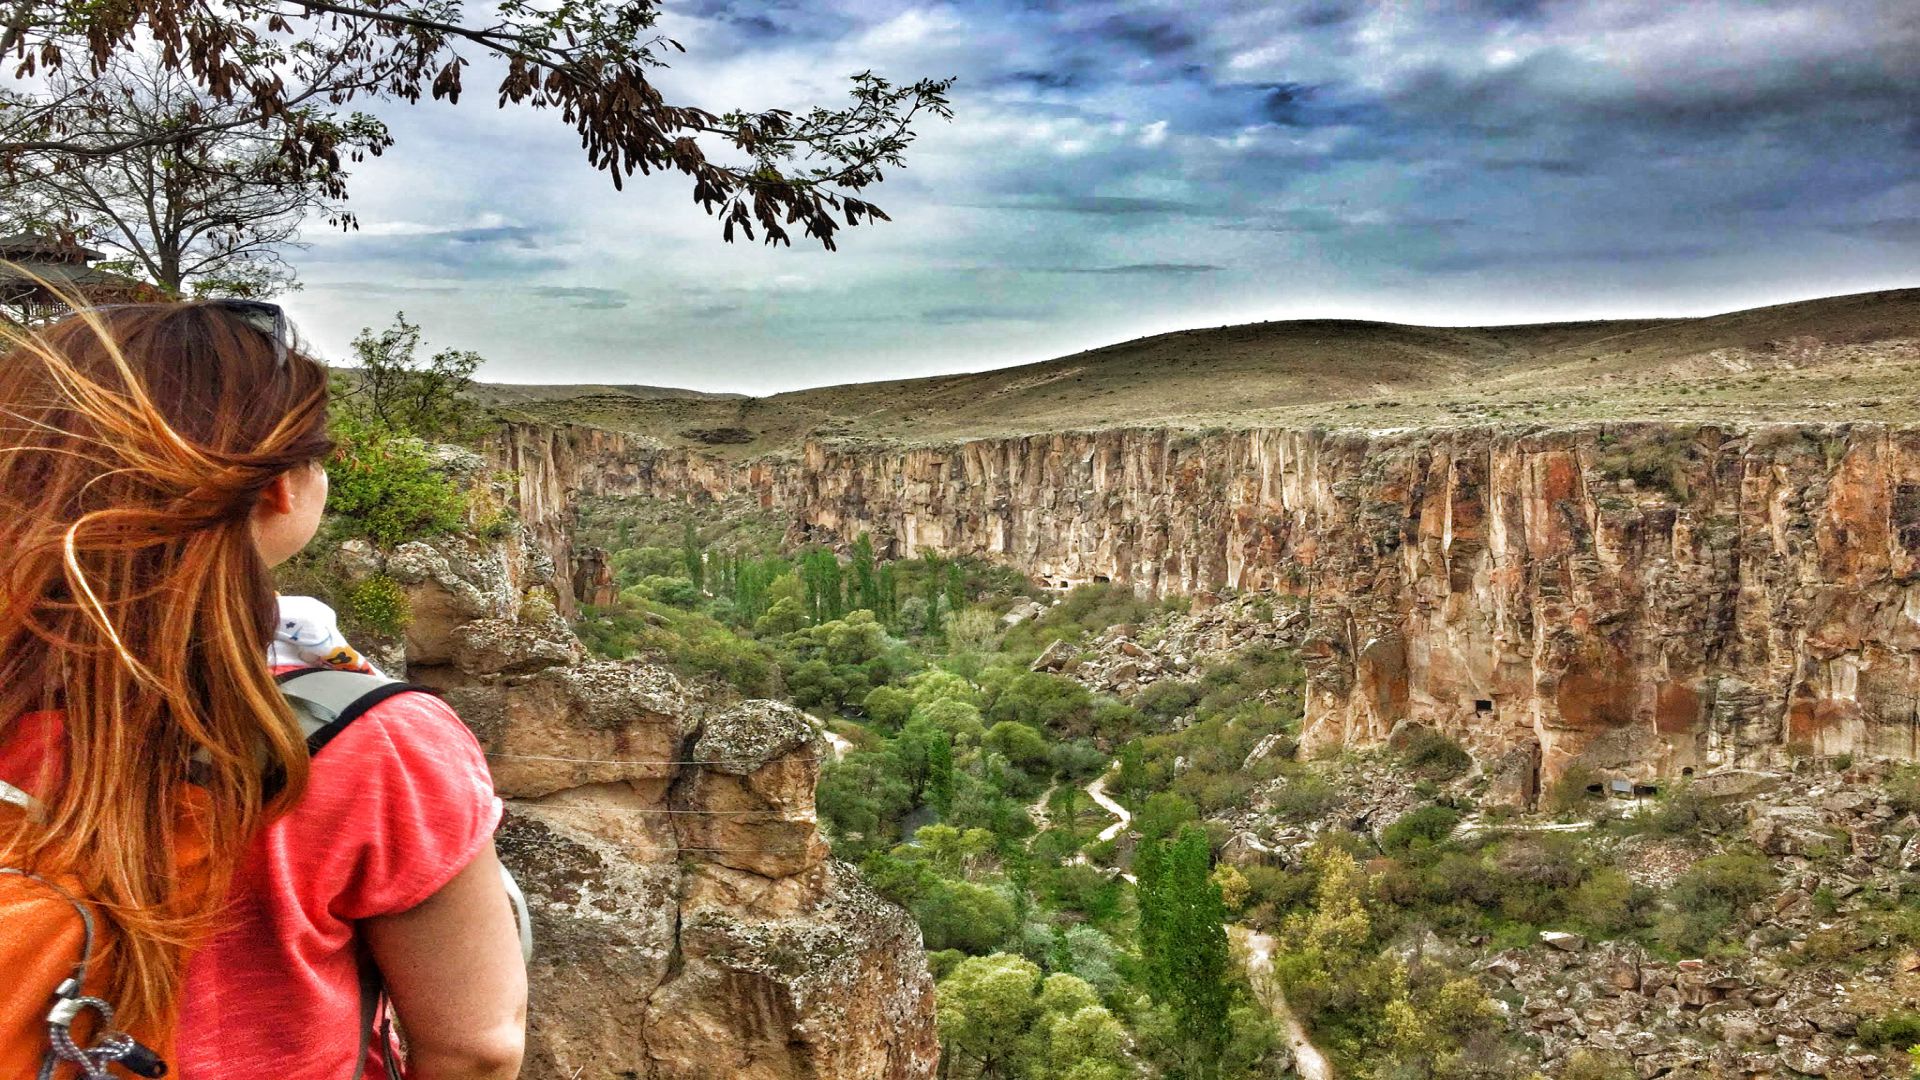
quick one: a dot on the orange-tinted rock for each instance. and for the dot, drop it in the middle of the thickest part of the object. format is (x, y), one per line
(1640, 595)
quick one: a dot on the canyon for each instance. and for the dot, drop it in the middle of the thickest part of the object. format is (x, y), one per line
(687, 916)
(1642, 598)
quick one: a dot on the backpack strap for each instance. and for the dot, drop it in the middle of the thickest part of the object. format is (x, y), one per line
(326, 700)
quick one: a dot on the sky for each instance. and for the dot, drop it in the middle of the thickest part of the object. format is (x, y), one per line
(1119, 169)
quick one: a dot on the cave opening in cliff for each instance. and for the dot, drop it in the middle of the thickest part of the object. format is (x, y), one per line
(1483, 706)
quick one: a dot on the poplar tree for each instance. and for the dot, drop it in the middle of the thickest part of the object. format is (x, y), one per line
(940, 774)
(865, 588)
(692, 554)
(1183, 942)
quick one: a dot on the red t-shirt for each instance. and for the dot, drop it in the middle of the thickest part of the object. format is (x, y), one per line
(396, 805)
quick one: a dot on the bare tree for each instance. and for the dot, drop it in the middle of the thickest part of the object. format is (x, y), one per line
(287, 61)
(191, 201)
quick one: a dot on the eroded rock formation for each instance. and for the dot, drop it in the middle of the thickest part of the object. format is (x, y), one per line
(1644, 598)
(690, 923)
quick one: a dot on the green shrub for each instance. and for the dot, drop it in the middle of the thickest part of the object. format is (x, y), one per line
(1903, 789)
(384, 488)
(1420, 829)
(1303, 797)
(1683, 813)
(1654, 462)
(379, 604)
(1570, 795)
(1894, 1029)
(1433, 755)
(1597, 1065)
(1607, 902)
(1706, 900)
(1736, 879)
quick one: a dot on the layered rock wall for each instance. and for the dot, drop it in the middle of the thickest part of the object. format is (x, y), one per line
(1645, 598)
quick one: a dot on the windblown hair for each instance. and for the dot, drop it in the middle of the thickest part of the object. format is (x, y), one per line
(135, 442)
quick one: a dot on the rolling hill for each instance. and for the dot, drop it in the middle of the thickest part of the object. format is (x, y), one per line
(1836, 358)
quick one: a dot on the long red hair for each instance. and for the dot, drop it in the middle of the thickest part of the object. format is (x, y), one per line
(134, 445)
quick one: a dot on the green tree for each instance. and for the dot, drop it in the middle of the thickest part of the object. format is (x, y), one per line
(1193, 957)
(1130, 781)
(986, 1007)
(888, 707)
(1022, 746)
(394, 391)
(999, 1018)
(693, 554)
(865, 585)
(784, 617)
(1043, 700)
(940, 775)
(962, 915)
(959, 720)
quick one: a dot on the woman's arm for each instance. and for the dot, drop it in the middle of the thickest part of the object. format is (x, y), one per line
(453, 969)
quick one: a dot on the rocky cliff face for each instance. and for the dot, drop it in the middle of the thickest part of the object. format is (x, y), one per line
(1647, 599)
(689, 921)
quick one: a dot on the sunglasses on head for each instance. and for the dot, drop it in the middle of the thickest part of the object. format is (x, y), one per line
(267, 318)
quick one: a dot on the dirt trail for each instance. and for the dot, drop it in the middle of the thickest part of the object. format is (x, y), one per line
(1309, 1062)
(840, 744)
(1097, 791)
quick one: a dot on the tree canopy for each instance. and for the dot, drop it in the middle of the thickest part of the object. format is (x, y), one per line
(287, 64)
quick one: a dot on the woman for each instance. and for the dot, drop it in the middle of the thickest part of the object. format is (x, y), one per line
(155, 462)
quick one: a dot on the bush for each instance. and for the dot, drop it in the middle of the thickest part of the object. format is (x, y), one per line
(1893, 1029)
(380, 605)
(1420, 829)
(1166, 700)
(1163, 815)
(1903, 789)
(1683, 813)
(1431, 754)
(1706, 900)
(1044, 701)
(1569, 795)
(1597, 1065)
(1733, 879)
(1607, 902)
(1303, 798)
(1021, 745)
(385, 488)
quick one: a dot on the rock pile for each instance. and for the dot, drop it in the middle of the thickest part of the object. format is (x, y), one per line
(1128, 658)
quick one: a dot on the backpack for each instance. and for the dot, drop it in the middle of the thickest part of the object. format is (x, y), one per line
(48, 938)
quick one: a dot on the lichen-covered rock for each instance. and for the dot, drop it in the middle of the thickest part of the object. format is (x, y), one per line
(451, 581)
(508, 647)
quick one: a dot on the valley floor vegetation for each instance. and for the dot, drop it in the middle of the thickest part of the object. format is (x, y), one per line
(1063, 949)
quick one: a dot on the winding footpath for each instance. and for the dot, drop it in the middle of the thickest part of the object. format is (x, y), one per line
(1097, 791)
(1308, 1061)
